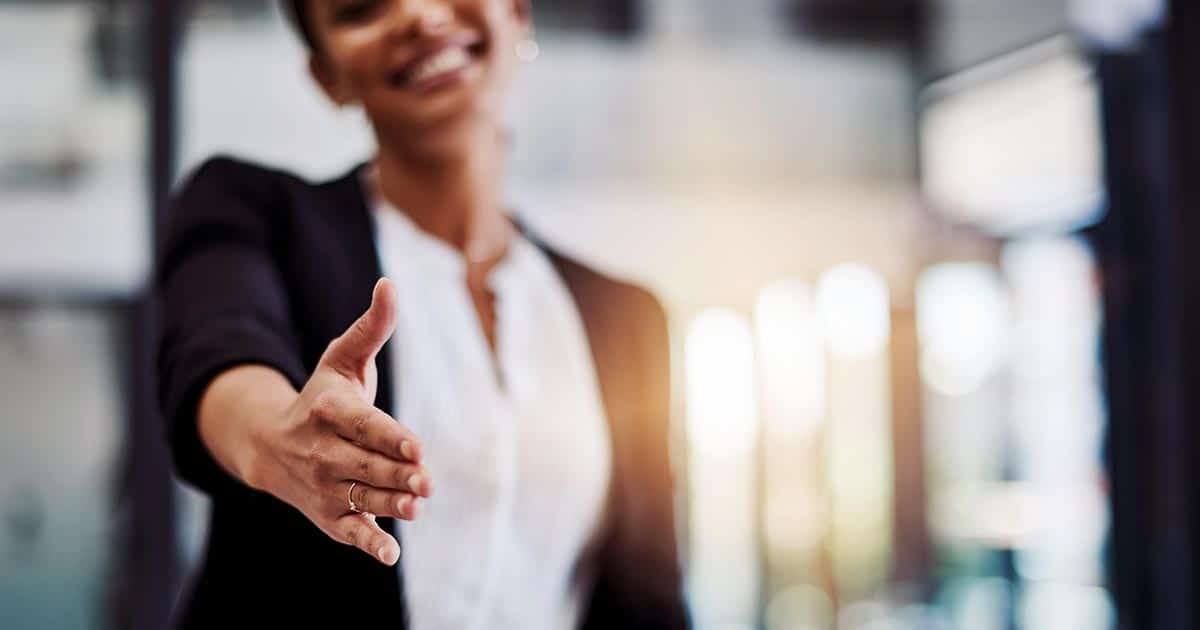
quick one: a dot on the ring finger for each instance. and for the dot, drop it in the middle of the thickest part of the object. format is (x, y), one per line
(379, 501)
(356, 464)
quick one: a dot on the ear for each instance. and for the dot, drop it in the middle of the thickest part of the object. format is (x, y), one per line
(327, 79)
(524, 15)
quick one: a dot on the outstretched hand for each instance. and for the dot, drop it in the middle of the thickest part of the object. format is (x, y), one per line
(333, 452)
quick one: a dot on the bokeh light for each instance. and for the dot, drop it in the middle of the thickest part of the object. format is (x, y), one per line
(722, 399)
(963, 324)
(854, 306)
(723, 430)
(792, 354)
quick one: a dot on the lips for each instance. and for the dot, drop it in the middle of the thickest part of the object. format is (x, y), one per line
(438, 62)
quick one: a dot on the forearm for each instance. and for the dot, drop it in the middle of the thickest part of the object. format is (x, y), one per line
(237, 401)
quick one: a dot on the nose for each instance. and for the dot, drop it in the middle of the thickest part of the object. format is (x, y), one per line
(414, 19)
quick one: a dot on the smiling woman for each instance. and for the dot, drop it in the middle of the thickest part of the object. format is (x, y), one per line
(455, 74)
(319, 405)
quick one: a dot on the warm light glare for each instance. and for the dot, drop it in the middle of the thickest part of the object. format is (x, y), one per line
(792, 355)
(721, 394)
(723, 563)
(854, 306)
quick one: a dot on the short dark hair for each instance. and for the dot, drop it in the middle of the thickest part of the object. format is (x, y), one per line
(297, 13)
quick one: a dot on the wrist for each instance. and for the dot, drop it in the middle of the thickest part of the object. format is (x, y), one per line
(236, 419)
(249, 460)
(262, 434)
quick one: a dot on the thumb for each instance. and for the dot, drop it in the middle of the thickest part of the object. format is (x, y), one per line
(352, 352)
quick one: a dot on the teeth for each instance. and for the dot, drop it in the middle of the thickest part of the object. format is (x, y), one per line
(447, 60)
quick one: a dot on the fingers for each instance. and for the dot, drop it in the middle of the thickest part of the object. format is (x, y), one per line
(357, 347)
(381, 501)
(349, 462)
(361, 530)
(363, 424)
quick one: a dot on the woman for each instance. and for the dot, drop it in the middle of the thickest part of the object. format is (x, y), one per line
(319, 405)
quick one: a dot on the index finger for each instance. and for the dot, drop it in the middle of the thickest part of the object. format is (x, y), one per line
(370, 428)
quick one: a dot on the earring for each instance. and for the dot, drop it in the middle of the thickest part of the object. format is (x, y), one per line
(527, 49)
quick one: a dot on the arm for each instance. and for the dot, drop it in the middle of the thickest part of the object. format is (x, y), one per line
(236, 399)
(242, 412)
(325, 446)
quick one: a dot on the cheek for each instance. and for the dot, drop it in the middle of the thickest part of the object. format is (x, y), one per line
(358, 60)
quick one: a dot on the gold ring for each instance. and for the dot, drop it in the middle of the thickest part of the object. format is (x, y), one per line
(350, 498)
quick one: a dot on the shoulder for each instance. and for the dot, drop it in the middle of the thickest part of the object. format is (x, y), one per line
(225, 202)
(229, 167)
(227, 176)
(226, 190)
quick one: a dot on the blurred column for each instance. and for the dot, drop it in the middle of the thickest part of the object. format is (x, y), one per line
(1178, 510)
(148, 573)
(976, 514)
(855, 312)
(1149, 104)
(1058, 425)
(910, 571)
(795, 512)
(723, 434)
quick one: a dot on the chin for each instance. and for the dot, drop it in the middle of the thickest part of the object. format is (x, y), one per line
(446, 131)
(438, 119)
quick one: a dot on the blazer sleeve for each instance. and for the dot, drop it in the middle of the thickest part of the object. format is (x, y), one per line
(222, 301)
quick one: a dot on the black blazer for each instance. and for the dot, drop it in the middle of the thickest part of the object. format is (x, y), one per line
(258, 266)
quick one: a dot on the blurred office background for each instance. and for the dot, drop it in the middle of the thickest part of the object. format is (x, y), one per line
(924, 262)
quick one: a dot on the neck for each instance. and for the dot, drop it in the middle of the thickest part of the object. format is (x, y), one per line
(453, 195)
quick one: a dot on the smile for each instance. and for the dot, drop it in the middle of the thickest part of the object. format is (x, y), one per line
(448, 60)
(439, 66)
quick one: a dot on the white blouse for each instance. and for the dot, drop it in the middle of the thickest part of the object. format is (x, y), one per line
(516, 442)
